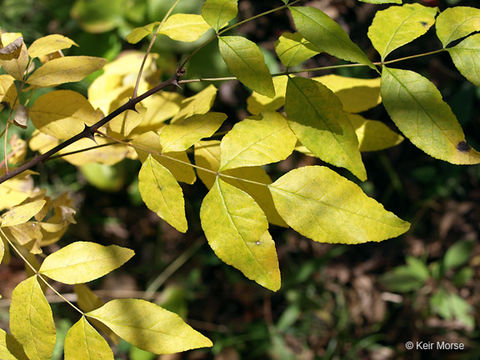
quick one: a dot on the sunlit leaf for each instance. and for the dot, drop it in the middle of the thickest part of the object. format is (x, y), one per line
(316, 117)
(332, 209)
(139, 33)
(83, 342)
(258, 103)
(257, 141)
(293, 49)
(184, 133)
(246, 61)
(22, 213)
(83, 261)
(399, 25)
(10, 349)
(199, 103)
(148, 326)
(325, 34)
(49, 44)
(417, 108)
(162, 194)
(65, 69)
(160, 107)
(456, 22)
(184, 27)
(237, 230)
(465, 57)
(16, 190)
(217, 13)
(31, 320)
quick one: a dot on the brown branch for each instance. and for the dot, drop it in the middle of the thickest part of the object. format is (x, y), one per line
(89, 131)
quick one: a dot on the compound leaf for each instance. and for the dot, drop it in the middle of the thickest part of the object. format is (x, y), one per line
(456, 22)
(237, 230)
(83, 342)
(83, 261)
(162, 194)
(49, 44)
(148, 326)
(184, 27)
(417, 108)
(332, 209)
(217, 13)
(465, 57)
(31, 320)
(246, 61)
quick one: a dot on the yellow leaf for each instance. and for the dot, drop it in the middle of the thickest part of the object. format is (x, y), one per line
(258, 103)
(177, 162)
(293, 49)
(16, 66)
(373, 135)
(65, 69)
(148, 326)
(257, 142)
(162, 194)
(160, 107)
(457, 22)
(83, 342)
(184, 133)
(2, 253)
(129, 120)
(105, 89)
(207, 155)
(237, 230)
(108, 155)
(83, 261)
(12, 50)
(129, 62)
(184, 27)
(8, 92)
(19, 150)
(31, 320)
(10, 349)
(15, 190)
(326, 207)
(21, 116)
(199, 103)
(356, 94)
(139, 33)
(22, 213)
(62, 113)
(49, 44)
(42, 142)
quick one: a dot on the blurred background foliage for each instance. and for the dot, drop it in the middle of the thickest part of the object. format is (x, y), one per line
(336, 301)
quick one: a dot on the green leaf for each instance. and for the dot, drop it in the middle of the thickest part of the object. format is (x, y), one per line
(257, 141)
(184, 133)
(456, 22)
(84, 261)
(237, 230)
(465, 57)
(217, 13)
(324, 206)
(246, 61)
(382, 1)
(417, 108)
(325, 34)
(148, 326)
(293, 49)
(83, 342)
(184, 27)
(458, 254)
(162, 194)
(10, 349)
(399, 25)
(316, 116)
(139, 33)
(22, 213)
(258, 103)
(402, 279)
(31, 320)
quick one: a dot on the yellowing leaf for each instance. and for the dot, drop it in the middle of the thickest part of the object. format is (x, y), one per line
(108, 155)
(329, 208)
(456, 22)
(373, 135)
(139, 33)
(2, 253)
(65, 69)
(217, 13)
(417, 108)
(399, 25)
(184, 133)
(199, 103)
(125, 123)
(22, 213)
(325, 34)
(31, 320)
(316, 116)
(148, 326)
(62, 113)
(356, 94)
(49, 44)
(16, 190)
(83, 261)
(184, 27)
(293, 49)
(258, 103)
(83, 342)
(465, 57)
(18, 64)
(160, 107)
(207, 155)
(177, 162)
(246, 61)
(237, 230)
(12, 50)
(254, 142)
(162, 194)
(10, 349)
(8, 92)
